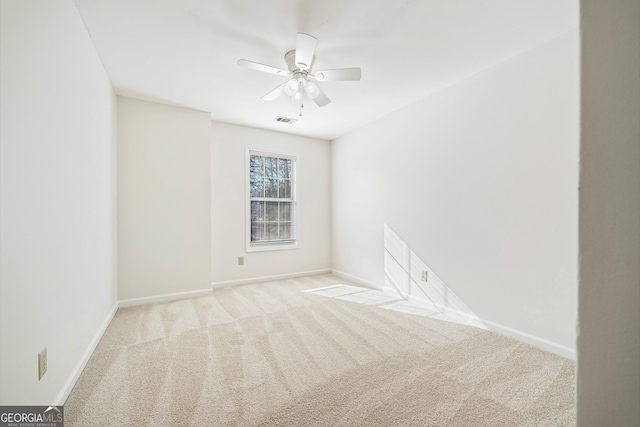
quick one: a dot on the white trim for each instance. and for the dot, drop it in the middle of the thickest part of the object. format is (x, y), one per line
(162, 298)
(466, 318)
(77, 371)
(541, 343)
(226, 283)
(295, 220)
(357, 280)
(75, 374)
(271, 154)
(272, 247)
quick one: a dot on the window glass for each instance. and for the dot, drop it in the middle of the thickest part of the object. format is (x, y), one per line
(271, 200)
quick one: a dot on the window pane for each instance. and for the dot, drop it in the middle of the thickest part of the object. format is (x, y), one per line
(256, 176)
(271, 231)
(285, 211)
(257, 231)
(257, 211)
(256, 167)
(271, 189)
(267, 167)
(270, 167)
(257, 188)
(285, 189)
(271, 213)
(282, 168)
(285, 230)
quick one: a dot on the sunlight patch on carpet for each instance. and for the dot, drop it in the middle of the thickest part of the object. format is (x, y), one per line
(370, 297)
(387, 301)
(336, 290)
(407, 307)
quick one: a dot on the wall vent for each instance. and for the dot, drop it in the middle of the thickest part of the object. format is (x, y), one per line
(285, 120)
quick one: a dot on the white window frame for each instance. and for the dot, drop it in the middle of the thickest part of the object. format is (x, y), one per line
(272, 246)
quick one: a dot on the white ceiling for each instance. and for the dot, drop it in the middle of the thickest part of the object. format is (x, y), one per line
(184, 52)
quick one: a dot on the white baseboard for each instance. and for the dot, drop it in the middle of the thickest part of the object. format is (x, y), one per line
(544, 344)
(356, 279)
(541, 343)
(465, 318)
(162, 298)
(226, 283)
(75, 374)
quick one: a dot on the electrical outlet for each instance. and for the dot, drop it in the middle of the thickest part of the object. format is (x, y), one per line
(424, 276)
(240, 260)
(42, 363)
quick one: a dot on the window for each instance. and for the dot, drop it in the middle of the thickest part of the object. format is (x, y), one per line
(272, 201)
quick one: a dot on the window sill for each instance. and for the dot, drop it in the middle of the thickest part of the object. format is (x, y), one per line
(264, 248)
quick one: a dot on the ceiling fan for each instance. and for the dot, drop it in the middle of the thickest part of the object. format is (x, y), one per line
(302, 80)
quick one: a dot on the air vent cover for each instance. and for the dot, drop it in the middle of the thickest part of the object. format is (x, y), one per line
(285, 120)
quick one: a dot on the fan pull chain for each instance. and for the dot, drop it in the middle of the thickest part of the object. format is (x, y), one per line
(301, 102)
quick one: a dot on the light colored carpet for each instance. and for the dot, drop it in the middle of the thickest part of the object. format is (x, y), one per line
(270, 355)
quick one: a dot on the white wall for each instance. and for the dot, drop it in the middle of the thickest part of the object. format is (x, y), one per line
(228, 158)
(609, 302)
(58, 241)
(480, 181)
(164, 198)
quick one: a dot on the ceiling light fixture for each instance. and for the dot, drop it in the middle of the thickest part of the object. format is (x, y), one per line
(300, 86)
(300, 62)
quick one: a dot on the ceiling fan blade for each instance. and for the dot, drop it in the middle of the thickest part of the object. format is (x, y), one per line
(274, 93)
(261, 67)
(305, 47)
(340, 74)
(321, 99)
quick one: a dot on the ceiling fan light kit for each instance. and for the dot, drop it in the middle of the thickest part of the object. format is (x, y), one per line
(301, 85)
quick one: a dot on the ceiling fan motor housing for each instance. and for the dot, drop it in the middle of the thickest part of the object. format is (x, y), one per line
(290, 58)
